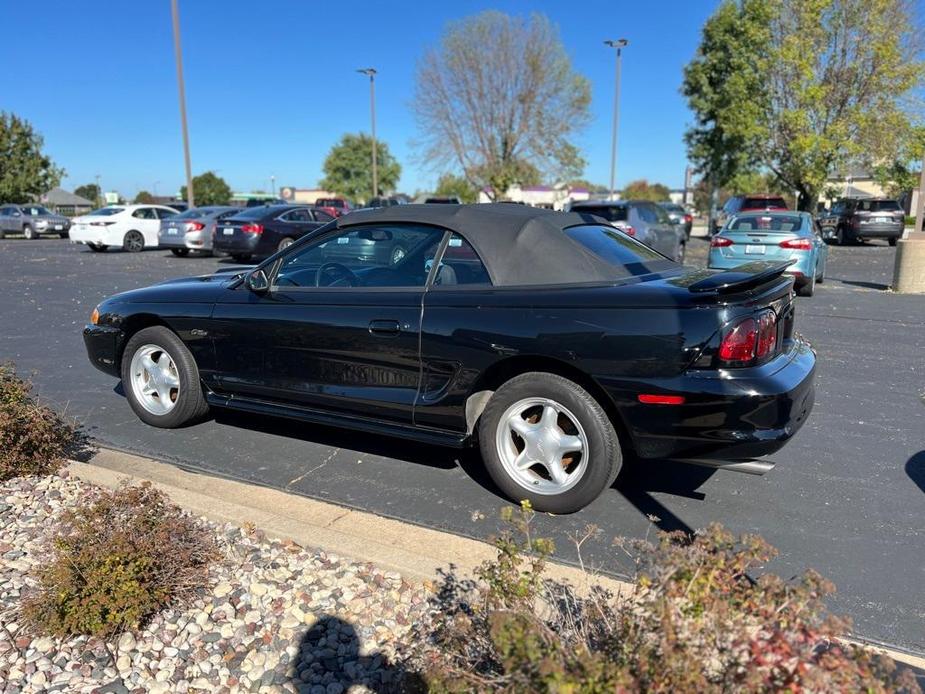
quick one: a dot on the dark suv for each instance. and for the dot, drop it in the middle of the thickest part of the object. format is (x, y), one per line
(852, 220)
(738, 204)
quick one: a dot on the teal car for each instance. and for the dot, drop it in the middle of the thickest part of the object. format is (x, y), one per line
(773, 236)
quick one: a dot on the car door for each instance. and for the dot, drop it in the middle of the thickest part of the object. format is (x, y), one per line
(341, 337)
(5, 219)
(145, 220)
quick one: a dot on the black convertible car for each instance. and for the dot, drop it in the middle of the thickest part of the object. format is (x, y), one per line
(555, 341)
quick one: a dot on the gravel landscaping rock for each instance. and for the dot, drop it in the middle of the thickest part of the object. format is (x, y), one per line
(277, 618)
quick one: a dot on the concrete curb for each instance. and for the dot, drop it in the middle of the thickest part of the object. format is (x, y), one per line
(417, 553)
(420, 554)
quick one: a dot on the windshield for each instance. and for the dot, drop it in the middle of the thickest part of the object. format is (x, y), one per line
(34, 210)
(879, 206)
(191, 214)
(106, 211)
(628, 256)
(764, 203)
(672, 208)
(770, 223)
(612, 213)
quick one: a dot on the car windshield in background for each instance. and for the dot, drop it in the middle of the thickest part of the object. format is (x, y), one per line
(672, 208)
(771, 223)
(627, 255)
(34, 211)
(106, 211)
(879, 206)
(763, 203)
(190, 214)
(253, 212)
(328, 202)
(612, 213)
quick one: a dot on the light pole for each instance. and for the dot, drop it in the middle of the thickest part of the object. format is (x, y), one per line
(175, 12)
(273, 185)
(619, 44)
(371, 72)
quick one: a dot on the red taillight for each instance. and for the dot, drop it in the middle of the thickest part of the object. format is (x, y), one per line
(252, 228)
(688, 218)
(767, 334)
(797, 244)
(738, 345)
(194, 226)
(749, 339)
(651, 399)
(720, 242)
(626, 229)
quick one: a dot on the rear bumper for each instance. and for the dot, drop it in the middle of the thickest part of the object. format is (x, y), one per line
(728, 414)
(878, 231)
(103, 345)
(194, 240)
(238, 243)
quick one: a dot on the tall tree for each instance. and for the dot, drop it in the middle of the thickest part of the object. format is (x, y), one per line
(26, 172)
(803, 88)
(143, 197)
(497, 94)
(348, 167)
(209, 189)
(643, 190)
(450, 185)
(90, 191)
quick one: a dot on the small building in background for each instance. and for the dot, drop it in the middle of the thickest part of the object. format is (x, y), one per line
(556, 197)
(62, 202)
(304, 196)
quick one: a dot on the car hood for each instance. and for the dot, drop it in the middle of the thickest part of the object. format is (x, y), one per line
(184, 290)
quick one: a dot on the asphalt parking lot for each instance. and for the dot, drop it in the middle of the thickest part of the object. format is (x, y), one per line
(847, 497)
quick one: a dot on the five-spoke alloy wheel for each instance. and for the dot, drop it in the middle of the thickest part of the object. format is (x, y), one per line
(161, 380)
(546, 439)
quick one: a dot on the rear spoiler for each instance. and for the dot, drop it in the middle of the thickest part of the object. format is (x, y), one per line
(740, 278)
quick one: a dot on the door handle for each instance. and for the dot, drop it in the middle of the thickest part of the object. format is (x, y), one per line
(384, 328)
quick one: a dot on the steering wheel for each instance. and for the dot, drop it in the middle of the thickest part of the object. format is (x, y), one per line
(337, 272)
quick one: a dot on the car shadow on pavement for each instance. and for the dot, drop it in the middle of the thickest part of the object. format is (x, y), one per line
(330, 653)
(865, 285)
(915, 468)
(639, 478)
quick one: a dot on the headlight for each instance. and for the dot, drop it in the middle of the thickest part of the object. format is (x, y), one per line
(95, 316)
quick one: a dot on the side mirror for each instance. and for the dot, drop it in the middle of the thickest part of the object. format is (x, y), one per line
(17, 214)
(257, 281)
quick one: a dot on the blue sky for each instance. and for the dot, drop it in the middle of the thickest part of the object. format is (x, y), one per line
(271, 85)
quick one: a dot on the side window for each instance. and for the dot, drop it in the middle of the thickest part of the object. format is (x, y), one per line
(300, 215)
(386, 255)
(322, 216)
(647, 213)
(460, 265)
(164, 214)
(661, 215)
(144, 213)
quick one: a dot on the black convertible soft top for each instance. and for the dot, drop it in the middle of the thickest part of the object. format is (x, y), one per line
(519, 245)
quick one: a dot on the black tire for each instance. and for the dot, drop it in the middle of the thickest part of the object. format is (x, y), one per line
(840, 236)
(240, 257)
(821, 277)
(285, 243)
(29, 232)
(892, 241)
(2, 234)
(97, 247)
(190, 403)
(63, 234)
(602, 465)
(133, 242)
(807, 288)
(180, 252)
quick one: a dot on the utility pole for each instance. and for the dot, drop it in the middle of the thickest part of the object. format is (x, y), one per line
(99, 192)
(179, 56)
(619, 44)
(920, 205)
(371, 72)
(273, 185)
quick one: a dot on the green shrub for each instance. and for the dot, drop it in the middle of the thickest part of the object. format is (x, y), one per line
(696, 621)
(34, 440)
(116, 562)
(910, 221)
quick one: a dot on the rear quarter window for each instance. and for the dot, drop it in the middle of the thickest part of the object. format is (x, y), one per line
(628, 256)
(612, 213)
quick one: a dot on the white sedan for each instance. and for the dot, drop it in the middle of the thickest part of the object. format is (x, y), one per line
(131, 227)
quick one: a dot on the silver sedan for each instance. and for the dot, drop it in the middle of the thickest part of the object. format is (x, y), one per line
(192, 229)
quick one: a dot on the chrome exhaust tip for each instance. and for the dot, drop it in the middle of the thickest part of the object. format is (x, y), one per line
(749, 467)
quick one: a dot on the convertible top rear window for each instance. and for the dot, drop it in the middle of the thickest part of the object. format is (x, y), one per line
(618, 249)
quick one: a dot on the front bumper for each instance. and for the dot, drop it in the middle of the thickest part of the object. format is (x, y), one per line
(104, 344)
(728, 414)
